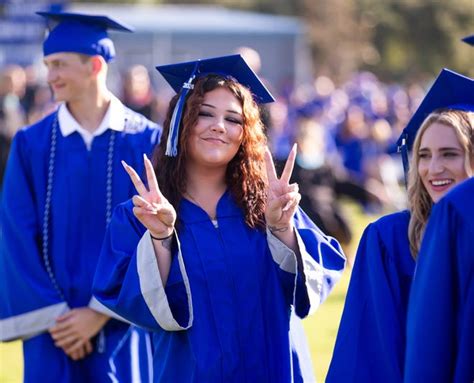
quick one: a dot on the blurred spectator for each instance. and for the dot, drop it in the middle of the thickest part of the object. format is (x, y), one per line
(362, 119)
(280, 134)
(322, 182)
(4, 150)
(138, 93)
(12, 89)
(31, 85)
(41, 104)
(12, 115)
(252, 58)
(352, 140)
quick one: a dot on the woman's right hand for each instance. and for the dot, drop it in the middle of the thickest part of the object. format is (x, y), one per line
(151, 208)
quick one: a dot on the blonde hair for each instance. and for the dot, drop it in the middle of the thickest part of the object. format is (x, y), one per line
(419, 201)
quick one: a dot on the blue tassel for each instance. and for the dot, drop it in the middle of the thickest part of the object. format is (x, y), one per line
(404, 151)
(172, 142)
(173, 136)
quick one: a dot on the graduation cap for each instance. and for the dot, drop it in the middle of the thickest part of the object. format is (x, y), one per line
(450, 90)
(182, 75)
(469, 39)
(80, 33)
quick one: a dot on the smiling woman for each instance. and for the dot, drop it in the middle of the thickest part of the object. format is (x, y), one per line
(214, 254)
(441, 160)
(217, 135)
(375, 312)
(442, 157)
(221, 131)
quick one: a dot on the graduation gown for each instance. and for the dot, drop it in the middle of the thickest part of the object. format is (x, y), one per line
(30, 297)
(440, 328)
(370, 342)
(224, 313)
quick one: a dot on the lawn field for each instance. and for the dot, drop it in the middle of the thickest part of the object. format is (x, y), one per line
(321, 328)
(11, 363)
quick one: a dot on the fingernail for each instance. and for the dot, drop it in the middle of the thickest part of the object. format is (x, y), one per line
(287, 206)
(124, 164)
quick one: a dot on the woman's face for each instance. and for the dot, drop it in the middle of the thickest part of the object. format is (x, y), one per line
(441, 160)
(217, 135)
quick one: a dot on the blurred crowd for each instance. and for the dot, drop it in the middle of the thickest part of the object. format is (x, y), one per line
(347, 138)
(346, 133)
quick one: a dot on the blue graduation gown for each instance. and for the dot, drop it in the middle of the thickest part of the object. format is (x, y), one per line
(224, 313)
(29, 301)
(440, 327)
(370, 343)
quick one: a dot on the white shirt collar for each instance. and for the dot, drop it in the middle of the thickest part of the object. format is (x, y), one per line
(113, 119)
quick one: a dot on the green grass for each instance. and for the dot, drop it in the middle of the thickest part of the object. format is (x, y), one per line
(321, 328)
(11, 362)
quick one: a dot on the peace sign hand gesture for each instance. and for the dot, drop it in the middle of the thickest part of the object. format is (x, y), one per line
(282, 198)
(151, 208)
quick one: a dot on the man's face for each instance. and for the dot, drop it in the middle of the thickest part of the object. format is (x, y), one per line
(69, 75)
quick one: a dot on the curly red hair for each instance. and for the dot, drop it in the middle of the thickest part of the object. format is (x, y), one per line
(245, 175)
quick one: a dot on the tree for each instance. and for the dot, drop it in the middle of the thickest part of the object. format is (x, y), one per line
(395, 39)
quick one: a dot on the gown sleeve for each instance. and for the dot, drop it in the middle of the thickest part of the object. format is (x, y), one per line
(369, 345)
(128, 282)
(29, 303)
(322, 263)
(440, 329)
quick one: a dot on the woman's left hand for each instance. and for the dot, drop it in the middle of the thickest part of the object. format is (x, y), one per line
(282, 198)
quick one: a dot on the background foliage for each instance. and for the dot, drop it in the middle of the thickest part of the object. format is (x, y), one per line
(396, 39)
